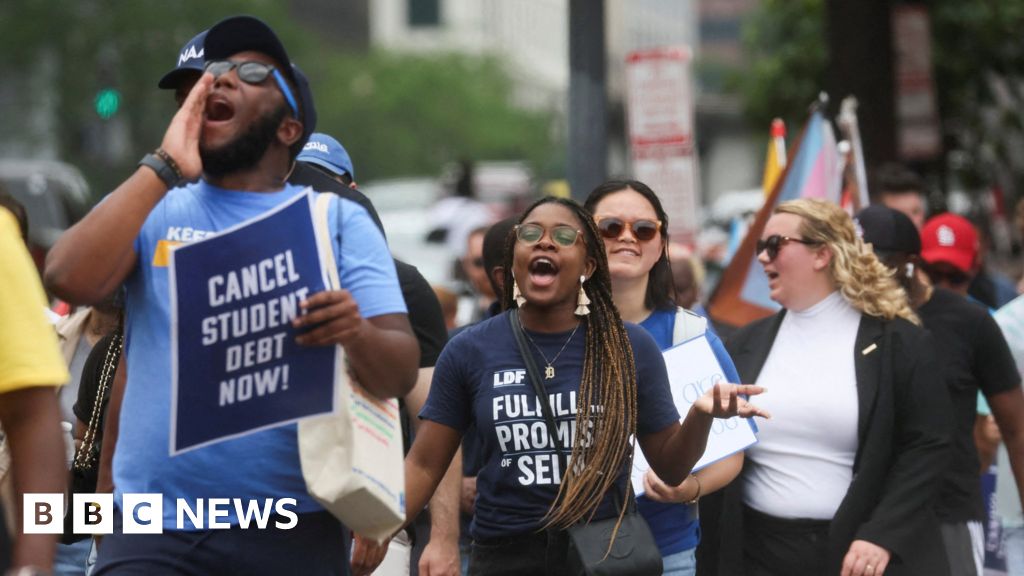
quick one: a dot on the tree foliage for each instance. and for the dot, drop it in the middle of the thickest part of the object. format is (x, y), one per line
(401, 114)
(978, 66)
(786, 61)
(397, 115)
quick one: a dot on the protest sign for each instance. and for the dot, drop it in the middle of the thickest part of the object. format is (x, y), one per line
(692, 371)
(236, 367)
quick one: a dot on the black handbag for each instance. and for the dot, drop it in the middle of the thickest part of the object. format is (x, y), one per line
(592, 550)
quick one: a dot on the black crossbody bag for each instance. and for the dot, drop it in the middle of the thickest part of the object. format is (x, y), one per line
(591, 549)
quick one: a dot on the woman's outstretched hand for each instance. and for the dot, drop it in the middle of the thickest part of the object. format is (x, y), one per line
(725, 401)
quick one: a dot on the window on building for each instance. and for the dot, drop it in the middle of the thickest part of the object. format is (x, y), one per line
(424, 12)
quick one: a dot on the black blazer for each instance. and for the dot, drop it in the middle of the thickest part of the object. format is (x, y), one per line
(902, 447)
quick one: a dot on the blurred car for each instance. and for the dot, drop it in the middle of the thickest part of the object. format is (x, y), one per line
(404, 206)
(55, 196)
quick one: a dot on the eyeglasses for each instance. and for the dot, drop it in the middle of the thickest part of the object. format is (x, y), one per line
(612, 227)
(254, 73)
(775, 242)
(563, 234)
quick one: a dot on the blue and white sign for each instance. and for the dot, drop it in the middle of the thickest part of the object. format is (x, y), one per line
(236, 366)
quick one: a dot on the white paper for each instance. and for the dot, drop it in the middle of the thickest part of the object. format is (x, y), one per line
(692, 370)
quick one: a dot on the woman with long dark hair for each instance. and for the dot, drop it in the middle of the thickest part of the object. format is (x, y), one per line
(605, 382)
(634, 226)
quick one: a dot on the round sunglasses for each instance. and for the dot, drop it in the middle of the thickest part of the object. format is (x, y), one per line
(612, 227)
(255, 73)
(563, 234)
(775, 242)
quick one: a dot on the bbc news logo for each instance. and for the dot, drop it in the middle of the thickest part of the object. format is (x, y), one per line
(144, 513)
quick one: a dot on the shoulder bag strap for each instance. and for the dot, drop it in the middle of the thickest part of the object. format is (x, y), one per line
(534, 376)
(538, 388)
(321, 209)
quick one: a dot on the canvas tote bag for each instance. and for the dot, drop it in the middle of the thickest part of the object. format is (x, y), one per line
(352, 460)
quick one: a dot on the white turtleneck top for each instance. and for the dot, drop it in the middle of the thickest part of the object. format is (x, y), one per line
(802, 465)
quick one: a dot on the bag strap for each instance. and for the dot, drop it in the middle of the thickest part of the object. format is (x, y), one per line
(535, 381)
(549, 418)
(88, 452)
(321, 211)
(688, 325)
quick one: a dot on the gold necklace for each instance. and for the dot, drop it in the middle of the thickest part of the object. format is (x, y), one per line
(549, 369)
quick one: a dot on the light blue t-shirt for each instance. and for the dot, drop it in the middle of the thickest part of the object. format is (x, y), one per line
(675, 526)
(260, 465)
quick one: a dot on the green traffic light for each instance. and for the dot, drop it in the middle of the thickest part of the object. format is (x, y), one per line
(107, 102)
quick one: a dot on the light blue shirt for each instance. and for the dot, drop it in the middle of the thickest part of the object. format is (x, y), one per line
(260, 465)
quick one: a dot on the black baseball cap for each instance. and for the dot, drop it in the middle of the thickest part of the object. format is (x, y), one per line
(888, 230)
(239, 33)
(190, 63)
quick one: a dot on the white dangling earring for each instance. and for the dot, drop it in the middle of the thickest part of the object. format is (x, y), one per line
(582, 301)
(516, 294)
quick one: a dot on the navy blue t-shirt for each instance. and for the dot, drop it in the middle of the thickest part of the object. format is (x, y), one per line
(675, 526)
(481, 378)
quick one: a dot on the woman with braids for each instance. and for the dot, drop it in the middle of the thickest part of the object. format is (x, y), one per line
(842, 478)
(634, 226)
(605, 381)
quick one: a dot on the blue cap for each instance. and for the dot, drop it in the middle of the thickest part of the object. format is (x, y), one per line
(328, 153)
(239, 33)
(190, 61)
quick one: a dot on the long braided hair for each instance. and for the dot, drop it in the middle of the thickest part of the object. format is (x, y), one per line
(607, 398)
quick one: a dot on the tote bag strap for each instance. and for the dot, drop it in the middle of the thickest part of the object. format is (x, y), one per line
(321, 212)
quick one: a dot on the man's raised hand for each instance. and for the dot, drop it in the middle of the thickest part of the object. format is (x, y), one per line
(181, 141)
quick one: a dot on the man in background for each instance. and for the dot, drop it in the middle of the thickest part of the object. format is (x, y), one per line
(324, 155)
(973, 355)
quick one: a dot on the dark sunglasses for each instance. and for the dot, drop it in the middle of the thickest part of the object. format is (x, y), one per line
(951, 277)
(254, 73)
(563, 234)
(612, 227)
(775, 242)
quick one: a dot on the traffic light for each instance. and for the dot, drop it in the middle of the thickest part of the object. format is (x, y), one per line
(107, 102)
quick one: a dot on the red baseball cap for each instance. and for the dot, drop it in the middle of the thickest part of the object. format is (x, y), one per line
(952, 239)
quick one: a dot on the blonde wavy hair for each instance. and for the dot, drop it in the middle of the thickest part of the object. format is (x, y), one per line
(866, 283)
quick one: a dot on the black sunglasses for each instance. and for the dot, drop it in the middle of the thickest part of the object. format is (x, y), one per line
(563, 235)
(252, 72)
(612, 227)
(775, 242)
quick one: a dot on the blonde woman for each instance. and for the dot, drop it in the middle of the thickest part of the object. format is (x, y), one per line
(842, 478)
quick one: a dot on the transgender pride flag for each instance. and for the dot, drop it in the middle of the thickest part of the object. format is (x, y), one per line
(814, 171)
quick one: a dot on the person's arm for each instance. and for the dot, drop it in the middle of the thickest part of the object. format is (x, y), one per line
(715, 476)
(31, 419)
(94, 256)
(381, 350)
(986, 440)
(427, 464)
(921, 453)
(441, 554)
(708, 480)
(674, 450)
(1008, 409)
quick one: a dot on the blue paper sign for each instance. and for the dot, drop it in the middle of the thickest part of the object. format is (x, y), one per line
(236, 366)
